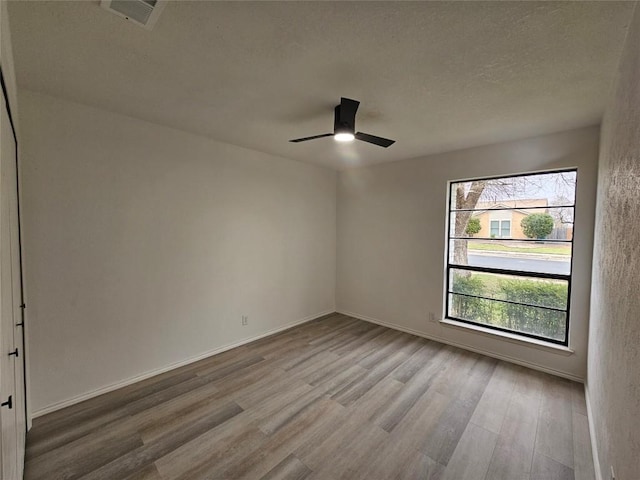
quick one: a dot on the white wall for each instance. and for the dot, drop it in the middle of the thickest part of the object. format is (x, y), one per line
(391, 239)
(145, 245)
(613, 382)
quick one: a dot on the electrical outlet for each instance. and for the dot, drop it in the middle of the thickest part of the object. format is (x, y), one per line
(613, 474)
(245, 320)
(432, 317)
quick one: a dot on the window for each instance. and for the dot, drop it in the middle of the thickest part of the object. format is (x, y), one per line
(514, 274)
(500, 228)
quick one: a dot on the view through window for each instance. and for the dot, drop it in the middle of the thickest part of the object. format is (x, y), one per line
(510, 247)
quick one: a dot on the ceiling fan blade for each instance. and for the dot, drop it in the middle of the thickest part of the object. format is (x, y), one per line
(304, 139)
(382, 142)
(348, 109)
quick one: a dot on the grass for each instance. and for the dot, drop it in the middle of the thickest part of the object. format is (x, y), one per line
(497, 247)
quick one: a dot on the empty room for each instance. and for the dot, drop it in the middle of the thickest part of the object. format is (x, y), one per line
(319, 240)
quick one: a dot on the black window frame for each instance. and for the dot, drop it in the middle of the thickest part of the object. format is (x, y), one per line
(518, 273)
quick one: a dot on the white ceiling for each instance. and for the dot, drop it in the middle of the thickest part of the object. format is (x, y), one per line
(434, 76)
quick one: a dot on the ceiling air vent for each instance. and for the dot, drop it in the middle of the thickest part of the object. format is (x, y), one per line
(142, 12)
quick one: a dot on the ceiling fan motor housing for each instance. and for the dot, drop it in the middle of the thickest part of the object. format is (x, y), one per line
(342, 124)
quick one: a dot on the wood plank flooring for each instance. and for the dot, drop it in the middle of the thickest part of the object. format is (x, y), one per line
(335, 398)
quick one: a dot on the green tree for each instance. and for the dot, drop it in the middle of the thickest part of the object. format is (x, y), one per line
(537, 225)
(473, 226)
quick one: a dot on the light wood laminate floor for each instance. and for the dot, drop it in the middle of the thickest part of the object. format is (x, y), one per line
(335, 398)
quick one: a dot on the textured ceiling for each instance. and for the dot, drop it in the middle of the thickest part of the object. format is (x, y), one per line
(434, 76)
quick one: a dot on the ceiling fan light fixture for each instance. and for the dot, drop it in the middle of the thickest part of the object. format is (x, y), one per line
(344, 137)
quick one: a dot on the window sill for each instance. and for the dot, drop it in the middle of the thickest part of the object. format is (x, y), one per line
(510, 337)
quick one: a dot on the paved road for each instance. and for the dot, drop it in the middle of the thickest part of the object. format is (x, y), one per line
(527, 264)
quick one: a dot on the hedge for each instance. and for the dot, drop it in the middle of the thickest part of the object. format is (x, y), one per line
(522, 318)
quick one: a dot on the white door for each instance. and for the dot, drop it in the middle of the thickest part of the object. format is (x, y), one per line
(12, 418)
(18, 325)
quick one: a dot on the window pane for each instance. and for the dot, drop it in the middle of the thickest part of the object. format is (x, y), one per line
(556, 224)
(517, 318)
(495, 229)
(539, 292)
(470, 226)
(540, 190)
(506, 228)
(540, 257)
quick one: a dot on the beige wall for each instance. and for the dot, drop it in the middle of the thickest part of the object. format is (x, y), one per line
(516, 225)
(613, 384)
(391, 239)
(6, 57)
(145, 246)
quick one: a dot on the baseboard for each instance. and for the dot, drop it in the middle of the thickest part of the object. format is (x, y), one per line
(592, 434)
(158, 371)
(471, 348)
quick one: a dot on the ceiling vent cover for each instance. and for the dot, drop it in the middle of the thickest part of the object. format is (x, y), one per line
(141, 12)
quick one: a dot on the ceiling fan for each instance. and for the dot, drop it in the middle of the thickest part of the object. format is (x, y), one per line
(344, 126)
